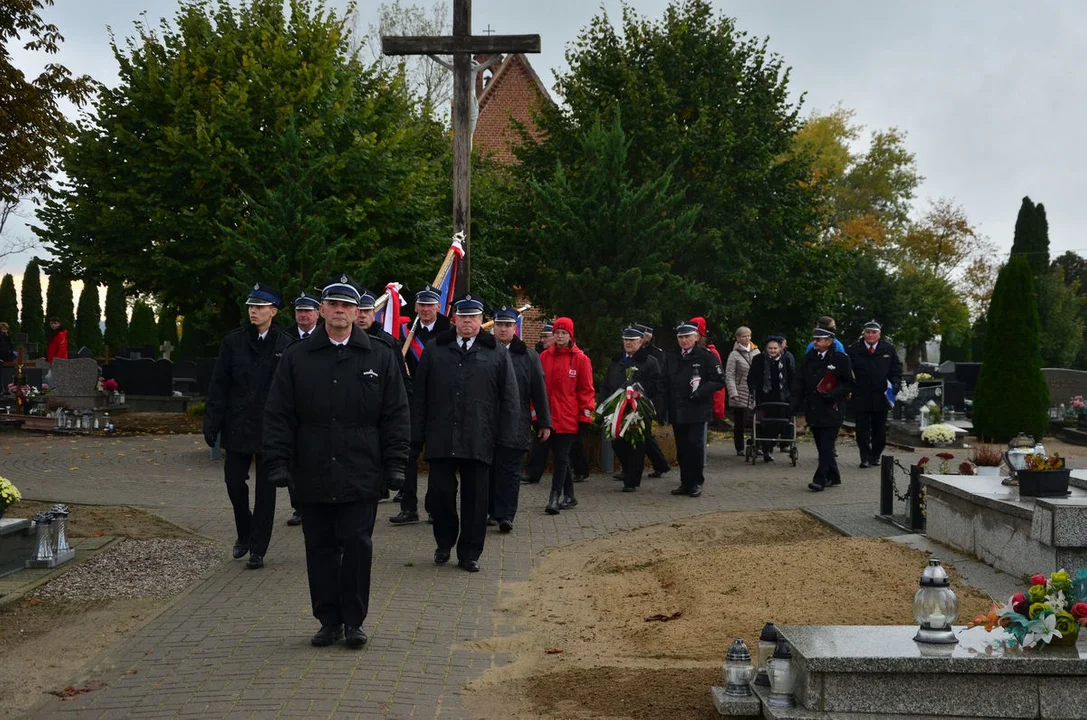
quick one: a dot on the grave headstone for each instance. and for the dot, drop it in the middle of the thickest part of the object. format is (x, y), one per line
(74, 382)
(185, 376)
(204, 368)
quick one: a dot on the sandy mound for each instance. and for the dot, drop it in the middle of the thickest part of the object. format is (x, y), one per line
(636, 625)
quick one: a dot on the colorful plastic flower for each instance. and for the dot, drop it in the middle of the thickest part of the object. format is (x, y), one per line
(1079, 610)
(1066, 624)
(1042, 631)
(1019, 602)
(1036, 609)
(1036, 593)
(1038, 579)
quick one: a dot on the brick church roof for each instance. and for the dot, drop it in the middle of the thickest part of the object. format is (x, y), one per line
(510, 92)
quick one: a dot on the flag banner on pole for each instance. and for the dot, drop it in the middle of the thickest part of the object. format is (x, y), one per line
(382, 303)
(391, 321)
(447, 284)
(520, 319)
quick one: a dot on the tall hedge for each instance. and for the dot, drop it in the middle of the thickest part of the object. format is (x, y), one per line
(143, 331)
(1012, 396)
(33, 317)
(9, 306)
(59, 303)
(116, 318)
(88, 319)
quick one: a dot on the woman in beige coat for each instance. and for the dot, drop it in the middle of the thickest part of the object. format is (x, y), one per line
(740, 398)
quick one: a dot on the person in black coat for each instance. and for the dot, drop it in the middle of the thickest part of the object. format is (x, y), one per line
(429, 323)
(7, 347)
(366, 321)
(337, 429)
(306, 311)
(693, 375)
(770, 380)
(652, 449)
(875, 364)
(634, 365)
(506, 470)
(820, 390)
(465, 403)
(234, 409)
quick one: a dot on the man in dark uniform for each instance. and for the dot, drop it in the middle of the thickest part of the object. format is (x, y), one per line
(694, 374)
(537, 454)
(430, 323)
(235, 406)
(821, 387)
(464, 404)
(547, 336)
(652, 449)
(337, 428)
(306, 311)
(506, 470)
(633, 365)
(875, 364)
(366, 321)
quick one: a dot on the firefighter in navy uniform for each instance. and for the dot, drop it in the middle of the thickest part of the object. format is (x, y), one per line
(633, 365)
(431, 323)
(821, 388)
(875, 363)
(235, 407)
(694, 374)
(306, 312)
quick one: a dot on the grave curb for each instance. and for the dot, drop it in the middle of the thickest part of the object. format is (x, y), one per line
(16, 595)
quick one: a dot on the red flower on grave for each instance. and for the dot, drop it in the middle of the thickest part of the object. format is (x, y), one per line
(1038, 580)
(923, 461)
(1079, 611)
(1019, 602)
(945, 456)
(109, 385)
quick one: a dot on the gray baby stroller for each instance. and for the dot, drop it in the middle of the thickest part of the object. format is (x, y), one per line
(772, 423)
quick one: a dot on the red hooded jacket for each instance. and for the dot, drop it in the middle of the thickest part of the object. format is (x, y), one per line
(719, 396)
(58, 346)
(568, 376)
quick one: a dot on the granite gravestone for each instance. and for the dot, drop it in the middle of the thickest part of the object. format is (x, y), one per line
(75, 382)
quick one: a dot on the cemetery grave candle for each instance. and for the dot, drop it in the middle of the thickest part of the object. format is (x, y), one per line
(935, 606)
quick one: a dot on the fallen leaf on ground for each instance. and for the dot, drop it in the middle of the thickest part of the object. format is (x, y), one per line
(552, 651)
(659, 617)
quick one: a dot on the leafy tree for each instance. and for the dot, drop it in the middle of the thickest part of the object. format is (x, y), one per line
(9, 305)
(429, 81)
(142, 331)
(1074, 267)
(31, 122)
(196, 343)
(1060, 315)
(1012, 395)
(1031, 239)
(868, 291)
(59, 302)
(88, 329)
(932, 308)
(167, 327)
(33, 318)
(185, 171)
(116, 336)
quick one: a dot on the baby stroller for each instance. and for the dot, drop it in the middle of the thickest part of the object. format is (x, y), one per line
(772, 422)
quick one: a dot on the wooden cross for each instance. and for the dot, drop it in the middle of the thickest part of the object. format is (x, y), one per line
(462, 45)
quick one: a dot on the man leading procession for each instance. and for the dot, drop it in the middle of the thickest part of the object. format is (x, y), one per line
(876, 368)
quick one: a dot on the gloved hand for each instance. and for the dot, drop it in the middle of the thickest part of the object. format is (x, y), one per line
(210, 437)
(279, 475)
(394, 479)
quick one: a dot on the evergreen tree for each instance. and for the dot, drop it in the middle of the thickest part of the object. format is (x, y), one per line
(9, 305)
(1012, 395)
(33, 318)
(143, 332)
(1060, 314)
(59, 302)
(1031, 240)
(196, 342)
(88, 328)
(116, 318)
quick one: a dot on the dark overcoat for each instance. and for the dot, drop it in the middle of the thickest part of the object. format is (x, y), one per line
(820, 410)
(338, 416)
(683, 407)
(239, 386)
(465, 403)
(378, 332)
(441, 324)
(531, 390)
(871, 373)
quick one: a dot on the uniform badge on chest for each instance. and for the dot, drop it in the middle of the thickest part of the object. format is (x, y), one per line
(370, 373)
(573, 372)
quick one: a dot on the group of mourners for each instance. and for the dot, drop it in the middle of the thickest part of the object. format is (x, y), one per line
(336, 412)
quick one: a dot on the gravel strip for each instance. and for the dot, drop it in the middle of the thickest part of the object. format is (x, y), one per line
(156, 568)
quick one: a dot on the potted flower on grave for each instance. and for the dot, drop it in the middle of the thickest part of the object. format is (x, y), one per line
(1051, 612)
(939, 435)
(9, 495)
(986, 459)
(1043, 476)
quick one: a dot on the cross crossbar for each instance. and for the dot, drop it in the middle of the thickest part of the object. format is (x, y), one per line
(450, 44)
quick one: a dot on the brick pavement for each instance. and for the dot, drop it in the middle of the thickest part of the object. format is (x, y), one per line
(237, 643)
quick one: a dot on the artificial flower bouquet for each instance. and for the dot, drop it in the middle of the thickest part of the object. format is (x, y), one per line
(626, 413)
(1051, 612)
(938, 434)
(9, 494)
(1039, 461)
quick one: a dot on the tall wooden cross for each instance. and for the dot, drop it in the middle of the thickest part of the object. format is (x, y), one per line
(462, 45)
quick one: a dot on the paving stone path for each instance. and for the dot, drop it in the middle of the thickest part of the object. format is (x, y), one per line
(237, 643)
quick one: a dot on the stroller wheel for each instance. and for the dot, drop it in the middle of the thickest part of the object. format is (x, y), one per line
(749, 454)
(794, 455)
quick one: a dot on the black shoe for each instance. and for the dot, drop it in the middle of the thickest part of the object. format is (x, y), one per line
(628, 488)
(768, 458)
(553, 504)
(354, 638)
(618, 476)
(404, 517)
(491, 522)
(568, 502)
(864, 464)
(505, 526)
(695, 491)
(327, 635)
(529, 481)
(816, 487)
(658, 473)
(469, 565)
(398, 497)
(255, 561)
(240, 550)
(295, 519)
(581, 478)
(681, 491)
(441, 557)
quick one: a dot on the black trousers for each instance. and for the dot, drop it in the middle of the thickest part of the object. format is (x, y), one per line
(561, 479)
(633, 459)
(653, 450)
(871, 435)
(827, 471)
(691, 449)
(505, 483)
(339, 552)
(537, 457)
(409, 493)
(254, 528)
(469, 531)
(578, 462)
(741, 419)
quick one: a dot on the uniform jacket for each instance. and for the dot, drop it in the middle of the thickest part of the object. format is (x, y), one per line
(818, 410)
(57, 347)
(532, 391)
(292, 331)
(239, 386)
(464, 404)
(779, 392)
(338, 416)
(441, 324)
(871, 373)
(682, 406)
(736, 369)
(378, 332)
(569, 376)
(7, 349)
(647, 372)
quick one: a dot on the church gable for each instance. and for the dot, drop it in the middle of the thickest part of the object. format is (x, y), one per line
(510, 93)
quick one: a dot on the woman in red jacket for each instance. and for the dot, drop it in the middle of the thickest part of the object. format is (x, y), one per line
(58, 342)
(568, 375)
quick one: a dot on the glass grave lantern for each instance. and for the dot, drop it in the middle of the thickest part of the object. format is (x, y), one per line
(782, 678)
(768, 640)
(738, 670)
(935, 606)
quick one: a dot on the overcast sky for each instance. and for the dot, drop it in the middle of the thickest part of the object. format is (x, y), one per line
(989, 93)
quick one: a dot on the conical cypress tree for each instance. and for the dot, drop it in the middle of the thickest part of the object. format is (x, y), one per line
(143, 332)
(59, 302)
(88, 328)
(1031, 241)
(33, 318)
(9, 306)
(116, 318)
(1012, 396)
